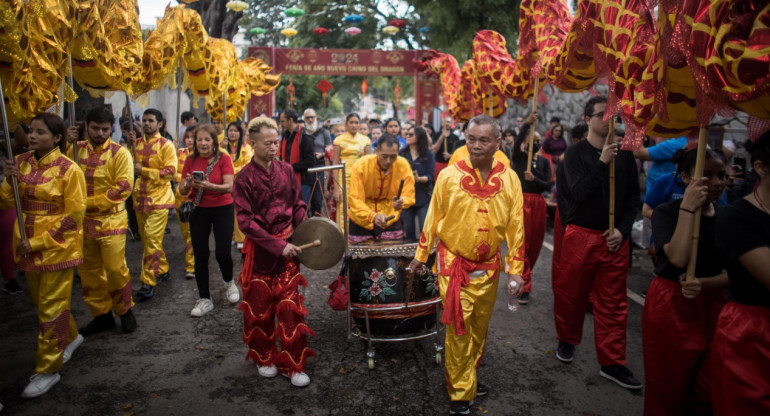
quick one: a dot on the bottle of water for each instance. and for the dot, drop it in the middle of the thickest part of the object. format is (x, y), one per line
(513, 304)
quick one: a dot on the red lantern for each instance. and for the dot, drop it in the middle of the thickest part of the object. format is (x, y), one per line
(397, 94)
(398, 23)
(324, 86)
(291, 90)
(364, 86)
(320, 31)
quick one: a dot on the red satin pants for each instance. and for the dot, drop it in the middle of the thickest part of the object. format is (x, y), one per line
(534, 233)
(740, 361)
(676, 335)
(585, 262)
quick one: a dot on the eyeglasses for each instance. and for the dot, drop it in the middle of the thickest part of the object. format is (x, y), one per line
(409, 134)
(600, 114)
(310, 117)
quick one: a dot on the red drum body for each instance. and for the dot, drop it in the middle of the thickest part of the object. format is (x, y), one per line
(395, 301)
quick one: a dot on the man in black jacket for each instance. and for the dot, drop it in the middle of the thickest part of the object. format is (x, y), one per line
(297, 149)
(534, 182)
(594, 256)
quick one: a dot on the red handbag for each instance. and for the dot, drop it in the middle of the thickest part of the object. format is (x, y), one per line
(338, 298)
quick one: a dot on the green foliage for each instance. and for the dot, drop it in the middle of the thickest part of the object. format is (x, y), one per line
(453, 23)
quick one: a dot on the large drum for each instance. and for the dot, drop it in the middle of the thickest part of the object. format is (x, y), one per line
(378, 279)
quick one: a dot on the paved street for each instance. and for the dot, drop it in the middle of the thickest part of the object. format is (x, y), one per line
(177, 365)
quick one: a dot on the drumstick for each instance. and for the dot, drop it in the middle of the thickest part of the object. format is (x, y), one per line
(400, 188)
(315, 243)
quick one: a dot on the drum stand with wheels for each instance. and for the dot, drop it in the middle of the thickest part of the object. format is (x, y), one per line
(423, 308)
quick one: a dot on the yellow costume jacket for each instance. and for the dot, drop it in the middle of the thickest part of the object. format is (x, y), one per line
(472, 219)
(109, 172)
(53, 202)
(153, 186)
(461, 153)
(372, 190)
(243, 158)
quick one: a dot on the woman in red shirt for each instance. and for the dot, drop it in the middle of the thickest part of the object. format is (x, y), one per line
(214, 210)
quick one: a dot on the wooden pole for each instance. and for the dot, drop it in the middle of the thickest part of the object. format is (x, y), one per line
(72, 110)
(14, 180)
(531, 140)
(180, 79)
(491, 104)
(700, 161)
(610, 140)
(224, 111)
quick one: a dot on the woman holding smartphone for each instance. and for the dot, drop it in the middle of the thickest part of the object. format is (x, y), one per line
(209, 171)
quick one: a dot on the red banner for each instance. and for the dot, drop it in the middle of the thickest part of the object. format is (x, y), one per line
(353, 62)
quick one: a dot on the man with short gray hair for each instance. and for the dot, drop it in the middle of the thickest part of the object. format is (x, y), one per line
(322, 140)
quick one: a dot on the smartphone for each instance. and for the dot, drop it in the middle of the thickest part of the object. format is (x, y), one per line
(198, 175)
(740, 162)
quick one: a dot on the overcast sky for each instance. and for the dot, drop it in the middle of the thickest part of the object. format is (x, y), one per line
(150, 10)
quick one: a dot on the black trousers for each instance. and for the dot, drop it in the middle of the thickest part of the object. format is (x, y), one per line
(132, 223)
(221, 219)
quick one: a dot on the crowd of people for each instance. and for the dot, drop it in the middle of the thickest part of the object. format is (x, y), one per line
(466, 189)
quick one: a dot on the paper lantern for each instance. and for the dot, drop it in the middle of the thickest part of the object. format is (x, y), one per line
(289, 32)
(237, 6)
(354, 18)
(364, 86)
(398, 23)
(257, 31)
(352, 31)
(294, 12)
(324, 86)
(320, 31)
(391, 30)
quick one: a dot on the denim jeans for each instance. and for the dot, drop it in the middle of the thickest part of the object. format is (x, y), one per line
(408, 216)
(315, 205)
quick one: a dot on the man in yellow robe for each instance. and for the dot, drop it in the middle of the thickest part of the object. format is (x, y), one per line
(462, 153)
(156, 167)
(476, 205)
(104, 275)
(375, 206)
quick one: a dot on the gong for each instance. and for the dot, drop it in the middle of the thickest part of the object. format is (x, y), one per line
(322, 243)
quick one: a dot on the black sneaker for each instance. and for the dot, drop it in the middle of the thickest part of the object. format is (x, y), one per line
(621, 375)
(566, 352)
(462, 407)
(128, 322)
(145, 292)
(161, 278)
(134, 234)
(103, 322)
(524, 299)
(12, 287)
(481, 390)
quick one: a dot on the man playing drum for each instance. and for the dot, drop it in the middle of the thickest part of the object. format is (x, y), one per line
(476, 205)
(268, 205)
(376, 194)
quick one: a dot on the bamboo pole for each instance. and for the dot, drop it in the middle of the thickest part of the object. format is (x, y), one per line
(700, 161)
(72, 110)
(531, 140)
(610, 140)
(224, 111)
(14, 180)
(491, 104)
(180, 79)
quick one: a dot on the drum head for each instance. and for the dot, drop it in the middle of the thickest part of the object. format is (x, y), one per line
(332, 246)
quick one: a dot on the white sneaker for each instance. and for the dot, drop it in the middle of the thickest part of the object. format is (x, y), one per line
(202, 307)
(267, 371)
(298, 379)
(39, 384)
(239, 246)
(233, 295)
(71, 348)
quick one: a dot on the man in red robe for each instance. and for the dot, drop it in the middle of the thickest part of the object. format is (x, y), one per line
(268, 205)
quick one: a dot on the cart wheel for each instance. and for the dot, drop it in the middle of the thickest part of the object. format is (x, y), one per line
(371, 363)
(438, 357)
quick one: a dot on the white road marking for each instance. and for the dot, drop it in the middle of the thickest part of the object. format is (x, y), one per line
(631, 295)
